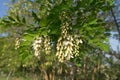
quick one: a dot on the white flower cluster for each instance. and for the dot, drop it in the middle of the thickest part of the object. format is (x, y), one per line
(17, 43)
(65, 44)
(76, 42)
(68, 43)
(37, 46)
(47, 45)
(41, 45)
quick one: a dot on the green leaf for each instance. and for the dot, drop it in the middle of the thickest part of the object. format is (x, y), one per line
(18, 19)
(43, 31)
(23, 20)
(43, 22)
(29, 37)
(104, 47)
(93, 22)
(5, 21)
(35, 16)
(12, 19)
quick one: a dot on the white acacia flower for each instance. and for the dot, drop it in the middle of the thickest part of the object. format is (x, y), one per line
(47, 45)
(65, 44)
(37, 46)
(80, 41)
(17, 43)
(38, 41)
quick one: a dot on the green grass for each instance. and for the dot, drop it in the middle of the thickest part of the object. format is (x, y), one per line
(5, 78)
(14, 78)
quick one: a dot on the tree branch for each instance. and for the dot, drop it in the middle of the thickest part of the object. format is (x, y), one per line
(116, 23)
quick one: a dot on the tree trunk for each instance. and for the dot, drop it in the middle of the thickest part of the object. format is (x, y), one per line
(93, 74)
(44, 74)
(51, 75)
(85, 68)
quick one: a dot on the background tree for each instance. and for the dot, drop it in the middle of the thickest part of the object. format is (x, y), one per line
(58, 38)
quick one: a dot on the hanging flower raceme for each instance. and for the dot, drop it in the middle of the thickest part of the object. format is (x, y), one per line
(41, 45)
(69, 41)
(47, 45)
(37, 46)
(76, 42)
(65, 44)
(17, 43)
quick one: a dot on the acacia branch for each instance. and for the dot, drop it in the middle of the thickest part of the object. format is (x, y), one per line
(115, 20)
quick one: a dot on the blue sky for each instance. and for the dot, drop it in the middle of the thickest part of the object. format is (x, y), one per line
(3, 8)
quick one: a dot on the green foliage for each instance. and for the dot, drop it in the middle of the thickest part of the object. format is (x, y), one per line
(40, 18)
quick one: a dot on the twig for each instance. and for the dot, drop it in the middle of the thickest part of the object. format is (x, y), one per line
(9, 75)
(116, 23)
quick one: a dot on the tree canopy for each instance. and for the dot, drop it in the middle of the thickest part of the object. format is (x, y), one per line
(57, 37)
